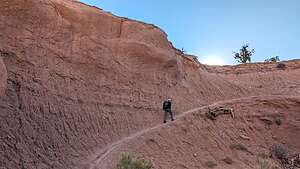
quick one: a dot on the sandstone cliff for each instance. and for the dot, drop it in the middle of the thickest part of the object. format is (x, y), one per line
(79, 79)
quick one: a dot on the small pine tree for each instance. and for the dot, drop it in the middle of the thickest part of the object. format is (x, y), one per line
(244, 55)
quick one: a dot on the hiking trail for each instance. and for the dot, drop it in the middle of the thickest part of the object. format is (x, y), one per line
(95, 160)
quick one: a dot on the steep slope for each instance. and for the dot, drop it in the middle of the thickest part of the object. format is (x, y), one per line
(79, 79)
(193, 140)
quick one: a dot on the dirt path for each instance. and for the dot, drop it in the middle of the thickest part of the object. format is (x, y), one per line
(94, 161)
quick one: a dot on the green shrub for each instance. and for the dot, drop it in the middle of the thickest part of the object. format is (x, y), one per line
(244, 54)
(211, 164)
(129, 162)
(238, 146)
(273, 59)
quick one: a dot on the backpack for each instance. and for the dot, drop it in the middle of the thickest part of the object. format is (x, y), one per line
(166, 105)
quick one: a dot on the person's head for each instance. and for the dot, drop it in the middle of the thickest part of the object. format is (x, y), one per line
(169, 99)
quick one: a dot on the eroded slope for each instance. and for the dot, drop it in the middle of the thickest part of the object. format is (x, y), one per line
(193, 140)
(79, 79)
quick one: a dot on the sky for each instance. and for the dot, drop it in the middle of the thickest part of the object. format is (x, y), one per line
(213, 29)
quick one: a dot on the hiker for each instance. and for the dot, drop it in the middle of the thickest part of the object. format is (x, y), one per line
(167, 108)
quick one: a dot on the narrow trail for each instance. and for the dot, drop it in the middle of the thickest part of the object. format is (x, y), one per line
(104, 152)
(95, 160)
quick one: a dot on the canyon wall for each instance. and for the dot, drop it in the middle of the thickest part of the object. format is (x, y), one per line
(79, 78)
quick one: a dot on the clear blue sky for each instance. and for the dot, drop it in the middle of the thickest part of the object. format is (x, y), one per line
(213, 29)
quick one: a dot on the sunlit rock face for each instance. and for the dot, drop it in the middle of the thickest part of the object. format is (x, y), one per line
(80, 79)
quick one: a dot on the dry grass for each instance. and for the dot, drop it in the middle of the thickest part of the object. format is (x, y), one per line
(266, 163)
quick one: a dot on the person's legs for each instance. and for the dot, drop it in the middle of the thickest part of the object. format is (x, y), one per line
(171, 114)
(165, 116)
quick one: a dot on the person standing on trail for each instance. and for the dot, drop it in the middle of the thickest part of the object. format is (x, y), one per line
(167, 105)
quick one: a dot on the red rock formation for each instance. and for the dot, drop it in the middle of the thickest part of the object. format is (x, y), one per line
(193, 139)
(79, 79)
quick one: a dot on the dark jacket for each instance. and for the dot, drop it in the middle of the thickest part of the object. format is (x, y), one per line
(167, 105)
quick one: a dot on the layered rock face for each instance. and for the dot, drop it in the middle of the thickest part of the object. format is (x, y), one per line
(79, 78)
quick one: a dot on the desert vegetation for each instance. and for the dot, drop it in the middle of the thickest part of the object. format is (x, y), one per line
(244, 54)
(279, 151)
(266, 163)
(273, 59)
(128, 161)
(280, 66)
